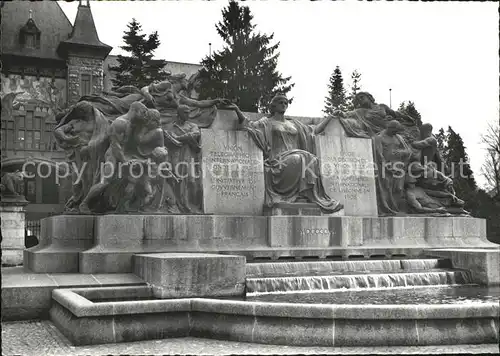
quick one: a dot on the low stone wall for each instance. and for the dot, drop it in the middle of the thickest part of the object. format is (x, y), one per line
(84, 322)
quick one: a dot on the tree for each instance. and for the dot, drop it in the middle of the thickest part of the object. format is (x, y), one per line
(245, 70)
(410, 110)
(477, 201)
(441, 141)
(491, 166)
(355, 88)
(139, 69)
(336, 99)
(457, 160)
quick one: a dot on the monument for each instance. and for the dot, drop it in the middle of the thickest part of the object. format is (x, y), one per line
(187, 196)
(157, 171)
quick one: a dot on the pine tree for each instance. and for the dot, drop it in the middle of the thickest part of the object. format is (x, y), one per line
(461, 172)
(441, 141)
(139, 69)
(245, 70)
(409, 109)
(336, 99)
(355, 88)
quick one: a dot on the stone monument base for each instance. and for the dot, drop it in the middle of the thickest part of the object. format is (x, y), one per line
(12, 215)
(184, 275)
(107, 243)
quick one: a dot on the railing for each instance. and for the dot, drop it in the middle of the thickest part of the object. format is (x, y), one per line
(32, 228)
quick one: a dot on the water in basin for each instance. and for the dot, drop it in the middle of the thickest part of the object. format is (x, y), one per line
(461, 294)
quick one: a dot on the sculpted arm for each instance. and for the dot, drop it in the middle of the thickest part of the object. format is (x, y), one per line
(397, 114)
(319, 128)
(194, 133)
(147, 95)
(439, 194)
(415, 204)
(118, 133)
(199, 103)
(428, 142)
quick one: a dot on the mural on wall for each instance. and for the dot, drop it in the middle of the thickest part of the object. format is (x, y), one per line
(46, 91)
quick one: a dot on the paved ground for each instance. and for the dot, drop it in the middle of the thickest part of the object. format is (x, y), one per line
(42, 338)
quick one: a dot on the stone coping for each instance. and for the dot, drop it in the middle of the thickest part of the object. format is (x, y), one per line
(76, 303)
(18, 277)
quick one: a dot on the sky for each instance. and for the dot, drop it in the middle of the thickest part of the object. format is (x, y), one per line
(443, 56)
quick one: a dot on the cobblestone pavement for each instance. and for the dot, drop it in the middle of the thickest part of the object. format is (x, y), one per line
(42, 338)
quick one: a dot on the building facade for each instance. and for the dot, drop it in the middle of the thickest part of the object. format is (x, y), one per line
(47, 65)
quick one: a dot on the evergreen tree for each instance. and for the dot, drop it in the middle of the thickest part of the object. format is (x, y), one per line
(245, 70)
(410, 110)
(461, 172)
(336, 99)
(139, 69)
(355, 88)
(441, 141)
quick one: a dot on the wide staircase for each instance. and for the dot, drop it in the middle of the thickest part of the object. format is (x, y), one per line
(326, 276)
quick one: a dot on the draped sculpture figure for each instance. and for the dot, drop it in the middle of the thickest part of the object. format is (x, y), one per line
(292, 170)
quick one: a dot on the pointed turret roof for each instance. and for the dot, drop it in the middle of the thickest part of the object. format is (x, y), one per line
(84, 33)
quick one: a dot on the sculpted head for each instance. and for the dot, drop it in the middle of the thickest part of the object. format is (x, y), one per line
(394, 127)
(153, 119)
(137, 111)
(183, 113)
(279, 104)
(82, 110)
(363, 99)
(160, 154)
(426, 130)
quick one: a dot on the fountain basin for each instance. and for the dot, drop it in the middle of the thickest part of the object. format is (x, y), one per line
(87, 322)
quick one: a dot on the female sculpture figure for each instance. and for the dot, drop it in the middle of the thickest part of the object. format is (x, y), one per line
(183, 142)
(368, 118)
(391, 155)
(292, 168)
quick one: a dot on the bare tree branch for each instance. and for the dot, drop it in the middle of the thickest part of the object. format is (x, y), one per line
(491, 166)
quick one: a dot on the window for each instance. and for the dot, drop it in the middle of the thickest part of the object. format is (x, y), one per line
(31, 191)
(29, 140)
(10, 139)
(30, 35)
(20, 139)
(20, 122)
(3, 139)
(29, 120)
(37, 140)
(29, 40)
(86, 87)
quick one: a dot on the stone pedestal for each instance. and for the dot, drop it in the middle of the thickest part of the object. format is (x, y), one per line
(183, 275)
(12, 213)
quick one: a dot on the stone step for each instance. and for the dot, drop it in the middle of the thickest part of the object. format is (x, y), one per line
(356, 281)
(274, 269)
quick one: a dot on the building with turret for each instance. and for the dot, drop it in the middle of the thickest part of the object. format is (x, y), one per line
(47, 65)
